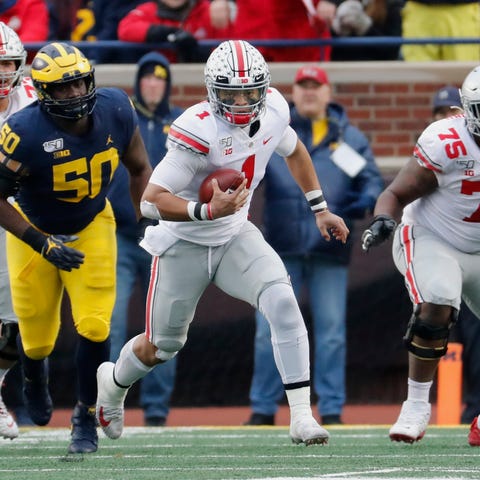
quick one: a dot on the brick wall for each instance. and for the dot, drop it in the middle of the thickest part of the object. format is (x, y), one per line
(389, 101)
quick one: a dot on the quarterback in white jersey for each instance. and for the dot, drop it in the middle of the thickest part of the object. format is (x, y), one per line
(436, 246)
(16, 92)
(194, 244)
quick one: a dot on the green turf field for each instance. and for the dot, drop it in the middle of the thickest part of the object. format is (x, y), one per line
(197, 453)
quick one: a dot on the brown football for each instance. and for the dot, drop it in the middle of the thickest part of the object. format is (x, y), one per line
(228, 179)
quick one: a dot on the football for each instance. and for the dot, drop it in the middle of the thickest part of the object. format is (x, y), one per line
(228, 179)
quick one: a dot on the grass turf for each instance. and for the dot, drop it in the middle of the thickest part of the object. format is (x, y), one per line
(360, 452)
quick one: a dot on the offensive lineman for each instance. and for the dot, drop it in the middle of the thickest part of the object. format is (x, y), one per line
(16, 92)
(58, 157)
(436, 246)
(240, 127)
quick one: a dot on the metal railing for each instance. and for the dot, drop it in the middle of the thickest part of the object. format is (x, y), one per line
(354, 42)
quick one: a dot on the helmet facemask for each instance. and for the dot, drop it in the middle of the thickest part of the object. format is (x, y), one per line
(237, 80)
(58, 64)
(70, 108)
(11, 49)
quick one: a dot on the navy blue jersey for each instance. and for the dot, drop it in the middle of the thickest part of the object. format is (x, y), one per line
(65, 178)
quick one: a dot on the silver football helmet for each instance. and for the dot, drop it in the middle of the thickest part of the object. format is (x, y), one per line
(11, 48)
(470, 96)
(236, 69)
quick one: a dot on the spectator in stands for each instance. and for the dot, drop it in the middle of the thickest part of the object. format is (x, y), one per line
(66, 16)
(341, 154)
(178, 22)
(429, 18)
(108, 14)
(27, 18)
(155, 114)
(271, 19)
(446, 102)
(435, 247)
(368, 18)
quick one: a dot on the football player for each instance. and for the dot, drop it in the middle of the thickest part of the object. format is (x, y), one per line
(57, 156)
(195, 244)
(16, 91)
(436, 247)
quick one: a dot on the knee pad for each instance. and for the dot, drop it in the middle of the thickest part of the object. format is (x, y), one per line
(427, 331)
(94, 329)
(279, 306)
(8, 340)
(167, 349)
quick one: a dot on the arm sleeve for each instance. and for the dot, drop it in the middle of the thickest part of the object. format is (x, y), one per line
(8, 182)
(287, 143)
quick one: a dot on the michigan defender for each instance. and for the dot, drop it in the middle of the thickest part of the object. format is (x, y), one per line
(58, 156)
(16, 92)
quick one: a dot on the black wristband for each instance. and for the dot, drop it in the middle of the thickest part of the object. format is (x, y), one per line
(34, 238)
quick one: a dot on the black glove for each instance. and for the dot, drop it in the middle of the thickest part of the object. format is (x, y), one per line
(159, 33)
(142, 224)
(63, 257)
(186, 45)
(379, 230)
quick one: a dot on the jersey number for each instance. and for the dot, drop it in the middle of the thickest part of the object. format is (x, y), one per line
(83, 178)
(248, 168)
(453, 150)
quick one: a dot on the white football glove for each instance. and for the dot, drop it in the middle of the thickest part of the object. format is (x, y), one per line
(351, 19)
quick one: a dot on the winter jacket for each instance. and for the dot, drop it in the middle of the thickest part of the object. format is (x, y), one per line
(154, 130)
(28, 18)
(273, 19)
(141, 25)
(289, 223)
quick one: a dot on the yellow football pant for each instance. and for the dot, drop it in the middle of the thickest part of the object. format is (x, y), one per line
(37, 287)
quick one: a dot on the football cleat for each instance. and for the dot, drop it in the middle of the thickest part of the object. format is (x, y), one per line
(37, 400)
(109, 410)
(84, 430)
(305, 429)
(8, 426)
(474, 434)
(412, 422)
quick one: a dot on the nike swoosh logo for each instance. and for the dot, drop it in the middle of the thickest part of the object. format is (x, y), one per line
(101, 419)
(267, 140)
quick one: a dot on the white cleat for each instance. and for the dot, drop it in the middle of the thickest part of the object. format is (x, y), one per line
(305, 429)
(8, 426)
(412, 422)
(110, 398)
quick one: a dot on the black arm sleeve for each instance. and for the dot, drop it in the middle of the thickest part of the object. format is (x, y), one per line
(8, 182)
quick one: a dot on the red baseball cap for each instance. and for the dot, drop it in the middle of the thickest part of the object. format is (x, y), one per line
(311, 72)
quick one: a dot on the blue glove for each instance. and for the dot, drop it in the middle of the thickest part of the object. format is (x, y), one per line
(358, 206)
(380, 229)
(63, 257)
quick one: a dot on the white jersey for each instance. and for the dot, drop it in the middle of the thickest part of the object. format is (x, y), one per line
(452, 211)
(20, 97)
(199, 143)
(23, 95)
